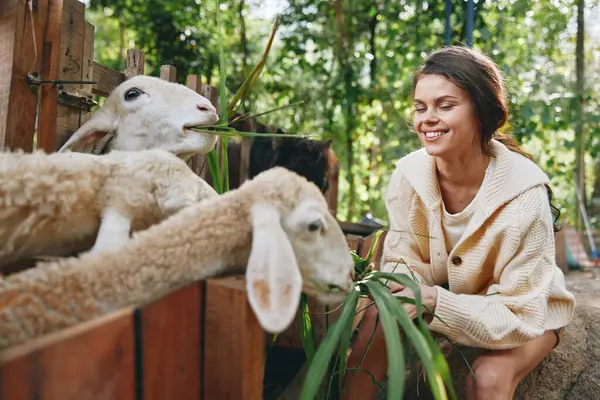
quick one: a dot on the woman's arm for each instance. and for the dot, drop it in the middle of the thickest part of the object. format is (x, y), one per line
(401, 253)
(513, 311)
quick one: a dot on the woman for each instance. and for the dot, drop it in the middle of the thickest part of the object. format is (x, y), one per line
(470, 215)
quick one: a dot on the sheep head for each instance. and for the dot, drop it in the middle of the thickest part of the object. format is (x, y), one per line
(145, 112)
(295, 248)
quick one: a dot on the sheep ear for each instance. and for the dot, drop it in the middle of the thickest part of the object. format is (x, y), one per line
(273, 280)
(92, 136)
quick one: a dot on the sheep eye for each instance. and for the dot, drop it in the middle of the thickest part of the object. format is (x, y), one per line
(132, 94)
(315, 225)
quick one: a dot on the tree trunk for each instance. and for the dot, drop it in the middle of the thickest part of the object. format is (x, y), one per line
(244, 45)
(373, 50)
(349, 103)
(580, 96)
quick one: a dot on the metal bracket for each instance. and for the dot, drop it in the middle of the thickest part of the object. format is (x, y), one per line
(76, 99)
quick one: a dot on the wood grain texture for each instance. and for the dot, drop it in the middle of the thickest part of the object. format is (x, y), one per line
(234, 343)
(72, 40)
(135, 63)
(63, 59)
(107, 79)
(17, 58)
(91, 361)
(87, 66)
(168, 73)
(171, 331)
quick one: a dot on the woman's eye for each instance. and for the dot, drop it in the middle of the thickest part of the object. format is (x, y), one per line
(420, 109)
(446, 107)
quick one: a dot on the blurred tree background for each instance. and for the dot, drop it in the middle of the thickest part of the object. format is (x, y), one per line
(352, 62)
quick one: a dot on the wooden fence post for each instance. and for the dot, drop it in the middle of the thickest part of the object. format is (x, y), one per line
(135, 63)
(234, 342)
(63, 60)
(18, 57)
(168, 73)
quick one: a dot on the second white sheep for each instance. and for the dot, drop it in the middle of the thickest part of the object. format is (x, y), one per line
(64, 203)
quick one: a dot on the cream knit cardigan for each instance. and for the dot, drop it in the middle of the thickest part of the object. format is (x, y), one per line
(505, 287)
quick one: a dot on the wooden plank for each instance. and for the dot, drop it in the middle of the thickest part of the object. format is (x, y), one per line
(70, 67)
(107, 79)
(168, 73)
(332, 193)
(93, 360)
(50, 70)
(234, 342)
(171, 331)
(18, 57)
(135, 63)
(87, 66)
(194, 82)
(63, 59)
(354, 242)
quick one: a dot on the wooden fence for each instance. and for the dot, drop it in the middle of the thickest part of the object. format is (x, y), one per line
(201, 341)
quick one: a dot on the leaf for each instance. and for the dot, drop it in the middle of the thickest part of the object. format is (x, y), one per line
(306, 330)
(318, 367)
(395, 352)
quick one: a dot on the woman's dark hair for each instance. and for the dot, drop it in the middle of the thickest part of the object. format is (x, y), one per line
(479, 76)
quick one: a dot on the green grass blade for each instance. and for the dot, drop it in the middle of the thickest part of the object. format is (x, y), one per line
(254, 74)
(225, 164)
(440, 362)
(317, 369)
(395, 352)
(402, 279)
(421, 346)
(222, 72)
(223, 131)
(344, 343)
(214, 169)
(269, 111)
(373, 246)
(306, 330)
(433, 360)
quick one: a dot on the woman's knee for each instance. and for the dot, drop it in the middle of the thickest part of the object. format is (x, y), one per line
(490, 378)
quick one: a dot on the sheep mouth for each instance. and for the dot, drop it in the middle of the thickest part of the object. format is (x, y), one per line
(327, 294)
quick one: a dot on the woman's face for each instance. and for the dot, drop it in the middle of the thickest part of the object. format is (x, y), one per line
(445, 118)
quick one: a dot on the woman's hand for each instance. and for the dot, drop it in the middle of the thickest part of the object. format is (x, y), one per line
(428, 297)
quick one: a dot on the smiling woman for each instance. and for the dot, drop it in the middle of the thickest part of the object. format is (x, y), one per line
(471, 221)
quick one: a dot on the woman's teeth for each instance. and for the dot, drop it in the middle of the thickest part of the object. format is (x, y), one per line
(434, 134)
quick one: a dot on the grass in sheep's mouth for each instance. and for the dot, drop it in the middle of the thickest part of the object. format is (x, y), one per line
(220, 177)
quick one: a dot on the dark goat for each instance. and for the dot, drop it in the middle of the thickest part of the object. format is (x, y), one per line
(311, 159)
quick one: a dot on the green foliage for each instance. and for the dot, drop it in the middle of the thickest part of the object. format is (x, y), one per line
(392, 315)
(351, 63)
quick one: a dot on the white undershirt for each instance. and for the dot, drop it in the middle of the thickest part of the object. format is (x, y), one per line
(454, 225)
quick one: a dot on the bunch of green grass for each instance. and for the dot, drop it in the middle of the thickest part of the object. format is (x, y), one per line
(329, 360)
(220, 171)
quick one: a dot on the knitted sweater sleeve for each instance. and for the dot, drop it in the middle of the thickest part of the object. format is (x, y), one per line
(401, 253)
(513, 309)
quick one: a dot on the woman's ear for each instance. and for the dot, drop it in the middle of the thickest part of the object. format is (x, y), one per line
(93, 135)
(273, 280)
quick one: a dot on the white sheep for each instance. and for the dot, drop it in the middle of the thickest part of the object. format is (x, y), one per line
(145, 112)
(61, 203)
(276, 226)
